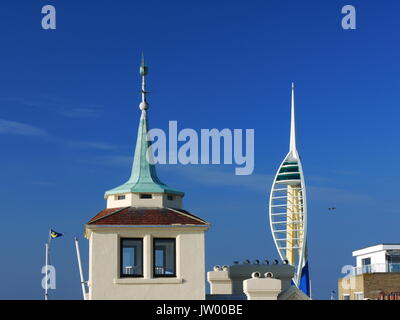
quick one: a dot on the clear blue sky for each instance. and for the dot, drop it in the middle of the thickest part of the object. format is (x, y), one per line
(73, 95)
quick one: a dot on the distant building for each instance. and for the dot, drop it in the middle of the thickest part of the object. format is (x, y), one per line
(376, 275)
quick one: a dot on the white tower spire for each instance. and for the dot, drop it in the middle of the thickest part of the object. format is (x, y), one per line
(293, 146)
(288, 211)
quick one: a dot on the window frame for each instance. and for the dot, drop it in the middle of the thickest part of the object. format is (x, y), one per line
(121, 248)
(154, 259)
(357, 294)
(145, 196)
(366, 268)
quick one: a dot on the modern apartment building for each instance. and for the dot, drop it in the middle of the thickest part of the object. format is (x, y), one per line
(376, 275)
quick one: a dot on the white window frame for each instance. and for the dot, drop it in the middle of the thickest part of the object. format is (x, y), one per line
(357, 293)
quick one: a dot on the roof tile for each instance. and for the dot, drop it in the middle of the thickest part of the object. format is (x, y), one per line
(145, 216)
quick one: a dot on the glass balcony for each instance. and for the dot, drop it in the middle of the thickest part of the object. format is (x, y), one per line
(376, 268)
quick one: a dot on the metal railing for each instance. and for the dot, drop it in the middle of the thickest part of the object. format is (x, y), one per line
(376, 268)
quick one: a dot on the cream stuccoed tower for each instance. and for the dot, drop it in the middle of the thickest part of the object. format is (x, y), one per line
(144, 245)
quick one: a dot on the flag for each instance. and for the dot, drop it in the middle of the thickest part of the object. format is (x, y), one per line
(305, 280)
(54, 234)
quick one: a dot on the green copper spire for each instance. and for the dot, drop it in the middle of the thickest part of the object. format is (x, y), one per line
(144, 176)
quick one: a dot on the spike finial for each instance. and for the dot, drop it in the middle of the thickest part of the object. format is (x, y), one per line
(143, 73)
(293, 146)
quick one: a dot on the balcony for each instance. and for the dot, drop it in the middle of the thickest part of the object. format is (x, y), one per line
(376, 268)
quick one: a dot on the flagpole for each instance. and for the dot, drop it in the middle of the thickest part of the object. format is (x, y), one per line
(46, 294)
(52, 234)
(47, 272)
(78, 254)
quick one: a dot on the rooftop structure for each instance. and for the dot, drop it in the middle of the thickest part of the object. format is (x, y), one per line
(253, 281)
(143, 179)
(378, 258)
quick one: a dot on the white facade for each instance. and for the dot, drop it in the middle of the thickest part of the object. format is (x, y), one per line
(377, 258)
(105, 282)
(157, 200)
(143, 246)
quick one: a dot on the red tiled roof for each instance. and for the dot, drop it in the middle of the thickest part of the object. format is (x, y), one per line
(145, 216)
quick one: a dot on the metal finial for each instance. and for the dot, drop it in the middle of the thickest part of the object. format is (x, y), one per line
(143, 68)
(143, 72)
(293, 146)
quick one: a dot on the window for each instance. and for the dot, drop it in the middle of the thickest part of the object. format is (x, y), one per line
(131, 258)
(170, 198)
(346, 297)
(366, 265)
(164, 257)
(145, 196)
(359, 295)
(121, 197)
(393, 261)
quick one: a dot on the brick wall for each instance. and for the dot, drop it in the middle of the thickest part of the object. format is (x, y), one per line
(375, 283)
(350, 285)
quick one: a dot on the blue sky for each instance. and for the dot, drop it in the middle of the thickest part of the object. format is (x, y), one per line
(69, 115)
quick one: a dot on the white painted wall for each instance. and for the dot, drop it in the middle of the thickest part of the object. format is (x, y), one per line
(104, 281)
(376, 253)
(158, 200)
(262, 288)
(376, 258)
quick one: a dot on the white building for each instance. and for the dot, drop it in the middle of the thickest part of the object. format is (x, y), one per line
(144, 246)
(378, 258)
(375, 276)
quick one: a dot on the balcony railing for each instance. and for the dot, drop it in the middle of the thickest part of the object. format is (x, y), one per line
(377, 267)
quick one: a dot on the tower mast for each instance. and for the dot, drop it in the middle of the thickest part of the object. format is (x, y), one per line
(288, 210)
(293, 146)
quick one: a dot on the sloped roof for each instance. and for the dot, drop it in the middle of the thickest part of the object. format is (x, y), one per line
(143, 176)
(145, 217)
